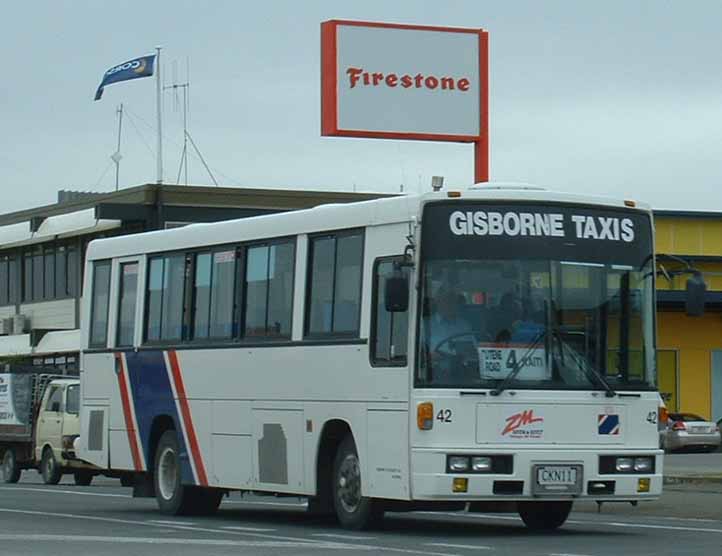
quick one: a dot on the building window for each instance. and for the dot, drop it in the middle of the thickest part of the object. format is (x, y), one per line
(166, 286)
(269, 290)
(126, 303)
(38, 281)
(4, 280)
(389, 331)
(61, 272)
(334, 289)
(49, 277)
(99, 304)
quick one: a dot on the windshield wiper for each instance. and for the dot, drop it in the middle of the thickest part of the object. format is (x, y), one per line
(586, 369)
(520, 364)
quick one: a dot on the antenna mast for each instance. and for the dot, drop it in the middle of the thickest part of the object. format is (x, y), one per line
(183, 167)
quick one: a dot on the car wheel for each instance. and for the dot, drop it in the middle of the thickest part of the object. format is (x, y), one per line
(83, 478)
(10, 470)
(544, 516)
(353, 510)
(49, 468)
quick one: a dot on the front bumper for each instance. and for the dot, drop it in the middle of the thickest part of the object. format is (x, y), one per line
(430, 481)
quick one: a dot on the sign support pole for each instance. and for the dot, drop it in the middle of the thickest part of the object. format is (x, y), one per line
(481, 160)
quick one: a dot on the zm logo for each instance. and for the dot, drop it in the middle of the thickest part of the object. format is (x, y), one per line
(519, 420)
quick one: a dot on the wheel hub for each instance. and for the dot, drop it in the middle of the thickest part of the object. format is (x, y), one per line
(349, 483)
(167, 473)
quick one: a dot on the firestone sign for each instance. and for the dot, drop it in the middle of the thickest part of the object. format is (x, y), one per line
(406, 82)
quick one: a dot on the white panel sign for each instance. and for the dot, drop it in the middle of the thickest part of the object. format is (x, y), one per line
(403, 81)
(7, 407)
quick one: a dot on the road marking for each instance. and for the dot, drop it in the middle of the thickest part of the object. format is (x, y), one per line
(667, 527)
(566, 554)
(347, 537)
(168, 522)
(153, 540)
(302, 541)
(252, 529)
(584, 522)
(58, 491)
(465, 546)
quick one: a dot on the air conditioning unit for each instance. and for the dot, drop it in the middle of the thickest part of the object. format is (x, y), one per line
(6, 326)
(21, 324)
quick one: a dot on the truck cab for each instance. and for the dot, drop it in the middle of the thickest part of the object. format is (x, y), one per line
(58, 425)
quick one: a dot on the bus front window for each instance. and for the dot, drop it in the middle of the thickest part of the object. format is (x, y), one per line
(550, 323)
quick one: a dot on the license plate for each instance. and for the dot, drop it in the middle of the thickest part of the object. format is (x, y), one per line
(557, 479)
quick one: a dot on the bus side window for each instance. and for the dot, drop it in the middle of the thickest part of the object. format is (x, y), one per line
(389, 331)
(126, 304)
(334, 288)
(99, 304)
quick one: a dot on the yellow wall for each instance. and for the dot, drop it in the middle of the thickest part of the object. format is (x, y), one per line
(694, 337)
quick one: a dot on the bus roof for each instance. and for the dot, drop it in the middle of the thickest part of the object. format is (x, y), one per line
(403, 208)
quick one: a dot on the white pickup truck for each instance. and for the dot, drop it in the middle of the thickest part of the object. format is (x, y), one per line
(39, 423)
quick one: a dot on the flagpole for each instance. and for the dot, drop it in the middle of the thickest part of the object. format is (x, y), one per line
(158, 110)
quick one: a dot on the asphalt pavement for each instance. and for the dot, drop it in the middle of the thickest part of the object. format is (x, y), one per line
(103, 519)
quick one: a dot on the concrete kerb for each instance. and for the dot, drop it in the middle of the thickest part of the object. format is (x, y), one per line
(715, 479)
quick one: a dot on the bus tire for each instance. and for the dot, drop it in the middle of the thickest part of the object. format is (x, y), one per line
(172, 496)
(49, 468)
(10, 469)
(544, 516)
(83, 478)
(353, 510)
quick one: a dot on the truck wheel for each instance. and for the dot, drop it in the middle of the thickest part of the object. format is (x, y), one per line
(49, 468)
(544, 516)
(83, 478)
(353, 510)
(10, 470)
(173, 497)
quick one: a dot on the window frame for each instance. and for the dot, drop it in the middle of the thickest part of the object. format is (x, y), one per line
(242, 300)
(150, 257)
(96, 264)
(336, 235)
(373, 360)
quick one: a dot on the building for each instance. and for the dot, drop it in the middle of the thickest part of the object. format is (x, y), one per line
(42, 252)
(689, 357)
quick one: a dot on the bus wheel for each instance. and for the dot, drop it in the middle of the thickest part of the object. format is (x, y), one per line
(10, 470)
(49, 468)
(173, 498)
(353, 510)
(544, 516)
(83, 478)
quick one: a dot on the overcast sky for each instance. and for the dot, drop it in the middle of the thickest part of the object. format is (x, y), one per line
(619, 97)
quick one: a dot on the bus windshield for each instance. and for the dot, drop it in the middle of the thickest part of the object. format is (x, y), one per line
(538, 310)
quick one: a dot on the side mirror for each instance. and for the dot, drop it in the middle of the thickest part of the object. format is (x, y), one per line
(396, 293)
(694, 301)
(55, 407)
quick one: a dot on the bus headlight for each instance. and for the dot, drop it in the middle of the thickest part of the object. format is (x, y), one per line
(481, 464)
(458, 464)
(624, 465)
(642, 465)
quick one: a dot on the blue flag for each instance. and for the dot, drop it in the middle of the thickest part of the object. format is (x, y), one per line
(133, 69)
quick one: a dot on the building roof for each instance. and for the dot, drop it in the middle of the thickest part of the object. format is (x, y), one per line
(191, 195)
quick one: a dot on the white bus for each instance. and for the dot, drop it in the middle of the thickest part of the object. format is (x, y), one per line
(483, 348)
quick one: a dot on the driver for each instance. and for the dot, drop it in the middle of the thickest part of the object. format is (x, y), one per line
(445, 325)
